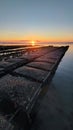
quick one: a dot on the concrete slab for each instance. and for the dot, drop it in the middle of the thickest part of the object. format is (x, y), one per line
(33, 73)
(1, 69)
(20, 90)
(41, 65)
(46, 59)
(31, 54)
(14, 60)
(4, 124)
(28, 57)
(55, 54)
(36, 52)
(5, 64)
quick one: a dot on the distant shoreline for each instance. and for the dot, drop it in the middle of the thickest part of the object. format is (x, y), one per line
(29, 44)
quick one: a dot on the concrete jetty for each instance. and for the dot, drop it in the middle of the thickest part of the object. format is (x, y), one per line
(21, 81)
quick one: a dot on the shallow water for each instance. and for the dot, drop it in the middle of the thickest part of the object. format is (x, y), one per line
(63, 79)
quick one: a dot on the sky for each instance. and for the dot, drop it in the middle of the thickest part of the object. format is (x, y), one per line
(43, 20)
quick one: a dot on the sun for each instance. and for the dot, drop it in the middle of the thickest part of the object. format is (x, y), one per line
(33, 43)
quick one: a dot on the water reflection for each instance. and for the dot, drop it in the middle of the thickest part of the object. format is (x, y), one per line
(63, 80)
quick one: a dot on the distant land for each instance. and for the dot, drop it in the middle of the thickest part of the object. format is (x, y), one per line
(29, 43)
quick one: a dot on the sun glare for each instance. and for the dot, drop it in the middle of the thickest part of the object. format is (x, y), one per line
(33, 43)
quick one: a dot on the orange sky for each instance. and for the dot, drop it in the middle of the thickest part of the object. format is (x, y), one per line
(41, 20)
(42, 38)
